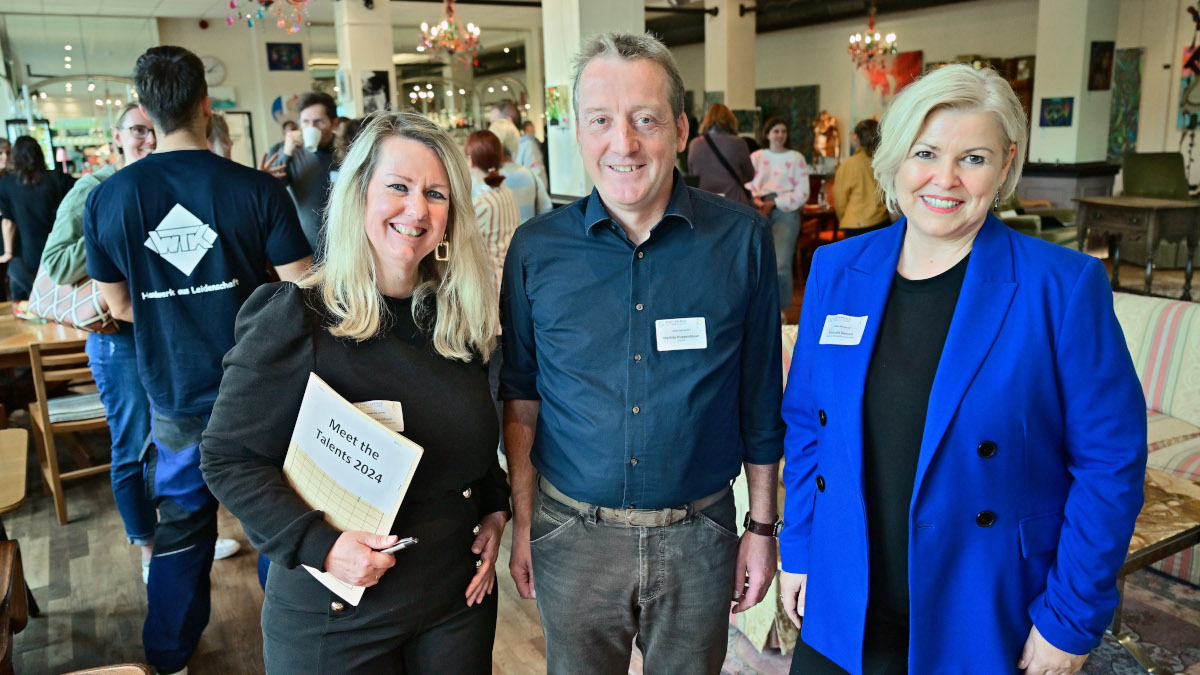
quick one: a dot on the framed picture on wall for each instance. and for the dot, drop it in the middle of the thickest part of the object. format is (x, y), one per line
(1057, 112)
(285, 56)
(1100, 66)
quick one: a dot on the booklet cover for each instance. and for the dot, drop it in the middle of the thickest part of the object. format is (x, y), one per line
(350, 462)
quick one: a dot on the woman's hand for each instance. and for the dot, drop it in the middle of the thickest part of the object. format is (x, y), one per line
(487, 547)
(268, 164)
(764, 207)
(791, 589)
(355, 560)
(1039, 657)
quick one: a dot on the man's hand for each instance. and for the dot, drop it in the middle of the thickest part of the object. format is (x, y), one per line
(291, 141)
(486, 546)
(520, 562)
(755, 570)
(1039, 657)
(355, 560)
(268, 164)
(791, 590)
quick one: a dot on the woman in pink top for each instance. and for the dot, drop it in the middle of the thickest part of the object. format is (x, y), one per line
(780, 188)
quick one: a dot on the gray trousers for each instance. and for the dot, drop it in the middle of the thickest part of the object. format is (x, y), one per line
(601, 584)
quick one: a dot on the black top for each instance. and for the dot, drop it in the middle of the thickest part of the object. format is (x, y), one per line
(32, 208)
(448, 411)
(899, 379)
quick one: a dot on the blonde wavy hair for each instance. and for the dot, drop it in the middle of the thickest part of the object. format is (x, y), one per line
(467, 315)
(957, 87)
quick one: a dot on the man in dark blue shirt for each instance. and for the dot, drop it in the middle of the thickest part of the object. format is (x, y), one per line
(642, 369)
(178, 241)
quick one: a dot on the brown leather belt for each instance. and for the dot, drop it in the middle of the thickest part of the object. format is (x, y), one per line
(635, 517)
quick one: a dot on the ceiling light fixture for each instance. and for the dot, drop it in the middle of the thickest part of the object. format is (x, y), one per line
(448, 41)
(67, 47)
(872, 47)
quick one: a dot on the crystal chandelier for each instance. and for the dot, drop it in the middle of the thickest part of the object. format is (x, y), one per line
(288, 15)
(448, 40)
(872, 47)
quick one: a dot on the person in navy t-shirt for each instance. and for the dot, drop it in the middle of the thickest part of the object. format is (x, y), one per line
(178, 241)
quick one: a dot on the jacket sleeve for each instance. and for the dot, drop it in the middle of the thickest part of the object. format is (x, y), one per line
(247, 438)
(1105, 419)
(65, 257)
(800, 442)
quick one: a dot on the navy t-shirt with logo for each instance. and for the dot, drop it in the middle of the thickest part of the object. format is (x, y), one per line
(192, 234)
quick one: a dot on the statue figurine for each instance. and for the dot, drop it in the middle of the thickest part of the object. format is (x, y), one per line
(827, 142)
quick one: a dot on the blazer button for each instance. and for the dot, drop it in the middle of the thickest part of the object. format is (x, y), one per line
(467, 493)
(336, 606)
(475, 530)
(985, 519)
(821, 416)
(986, 449)
(820, 484)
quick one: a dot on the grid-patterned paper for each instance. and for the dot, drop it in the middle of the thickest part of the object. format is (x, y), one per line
(343, 510)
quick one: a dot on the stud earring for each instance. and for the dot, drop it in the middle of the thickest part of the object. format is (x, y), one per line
(442, 252)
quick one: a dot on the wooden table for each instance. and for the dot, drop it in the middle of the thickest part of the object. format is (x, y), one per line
(1168, 523)
(1144, 219)
(17, 334)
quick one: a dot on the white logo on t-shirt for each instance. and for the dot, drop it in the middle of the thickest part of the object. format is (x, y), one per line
(181, 239)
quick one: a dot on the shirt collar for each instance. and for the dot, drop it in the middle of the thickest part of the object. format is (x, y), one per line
(680, 206)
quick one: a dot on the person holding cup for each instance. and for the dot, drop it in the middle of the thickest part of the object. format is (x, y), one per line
(306, 157)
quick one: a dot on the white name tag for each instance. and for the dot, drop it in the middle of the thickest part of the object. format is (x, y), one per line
(843, 330)
(673, 334)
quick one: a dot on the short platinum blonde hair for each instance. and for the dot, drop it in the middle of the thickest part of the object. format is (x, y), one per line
(509, 137)
(629, 47)
(958, 87)
(467, 318)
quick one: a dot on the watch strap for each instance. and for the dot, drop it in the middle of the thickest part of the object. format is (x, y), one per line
(764, 529)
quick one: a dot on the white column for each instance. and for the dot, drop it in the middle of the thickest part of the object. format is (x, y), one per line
(364, 43)
(566, 25)
(1065, 33)
(729, 54)
(535, 82)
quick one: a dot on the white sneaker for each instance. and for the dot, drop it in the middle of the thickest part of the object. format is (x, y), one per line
(145, 571)
(225, 548)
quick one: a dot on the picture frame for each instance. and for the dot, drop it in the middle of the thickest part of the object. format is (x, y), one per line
(1057, 112)
(285, 56)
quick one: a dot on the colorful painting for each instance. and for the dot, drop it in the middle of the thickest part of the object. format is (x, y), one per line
(1191, 70)
(285, 56)
(796, 105)
(1100, 67)
(1057, 112)
(1127, 97)
(888, 77)
(558, 109)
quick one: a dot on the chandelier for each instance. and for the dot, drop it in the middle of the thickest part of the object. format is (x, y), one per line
(872, 47)
(448, 40)
(288, 15)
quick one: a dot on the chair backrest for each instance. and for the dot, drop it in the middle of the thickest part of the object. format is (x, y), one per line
(57, 362)
(1154, 174)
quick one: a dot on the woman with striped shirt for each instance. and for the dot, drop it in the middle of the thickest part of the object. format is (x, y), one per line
(495, 204)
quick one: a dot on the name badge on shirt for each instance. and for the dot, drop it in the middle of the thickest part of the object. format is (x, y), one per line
(674, 334)
(841, 329)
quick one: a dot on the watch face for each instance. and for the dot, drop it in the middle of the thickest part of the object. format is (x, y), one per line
(214, 70)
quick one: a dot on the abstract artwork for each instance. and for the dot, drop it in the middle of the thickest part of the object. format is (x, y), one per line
(798, 107)
(892, 75)
(1191, 69)
(1100, 66)
(1057, 112)
(285, 56)
(1127, 97)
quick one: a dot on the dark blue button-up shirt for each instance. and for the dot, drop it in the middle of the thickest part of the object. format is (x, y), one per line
(623, 424)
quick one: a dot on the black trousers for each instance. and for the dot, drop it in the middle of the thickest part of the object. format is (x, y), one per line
(885, 652)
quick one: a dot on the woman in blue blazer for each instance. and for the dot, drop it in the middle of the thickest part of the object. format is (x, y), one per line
(966, 437)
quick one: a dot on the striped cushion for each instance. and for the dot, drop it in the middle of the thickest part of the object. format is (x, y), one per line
(1163, 430)
(1163, 337)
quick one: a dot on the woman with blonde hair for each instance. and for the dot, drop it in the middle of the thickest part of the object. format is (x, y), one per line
(720, 158)
(966, 435)
(401, 308)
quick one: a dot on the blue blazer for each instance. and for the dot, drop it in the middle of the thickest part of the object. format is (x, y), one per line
(1034, 363)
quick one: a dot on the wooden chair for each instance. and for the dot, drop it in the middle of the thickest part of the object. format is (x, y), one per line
(61, 364)
(13, 610)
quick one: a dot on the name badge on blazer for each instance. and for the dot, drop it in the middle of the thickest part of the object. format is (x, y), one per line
(841, 329)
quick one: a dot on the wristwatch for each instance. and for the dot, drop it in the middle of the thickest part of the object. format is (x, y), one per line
(765, 529)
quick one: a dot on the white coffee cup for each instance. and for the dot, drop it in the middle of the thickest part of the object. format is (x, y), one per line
(312, 136)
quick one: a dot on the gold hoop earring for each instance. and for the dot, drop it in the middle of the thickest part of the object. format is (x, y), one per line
(442, 252)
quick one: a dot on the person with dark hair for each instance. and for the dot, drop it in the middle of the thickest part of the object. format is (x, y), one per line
(178, 259)
(5, 155)
(308, 158)
(505, 110)
(856, 199)
(780, 188)
(29, 198)
(289, 126)
(347, 131)
(720, 158)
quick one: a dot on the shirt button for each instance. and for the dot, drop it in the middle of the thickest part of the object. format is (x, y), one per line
(641, 254)
(637, 357)
(638, 306)
(336, 606)
(985, 519)
(475, 530)
(636, 410)
(633, 461)
(467, 493)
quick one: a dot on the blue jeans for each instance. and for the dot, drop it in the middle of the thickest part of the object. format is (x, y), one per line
(113, 359)
(785, 229)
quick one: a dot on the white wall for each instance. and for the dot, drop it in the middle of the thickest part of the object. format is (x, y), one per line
(244, 53)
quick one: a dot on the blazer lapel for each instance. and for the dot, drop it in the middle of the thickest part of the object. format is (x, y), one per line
(867, 282)
(983, 302)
